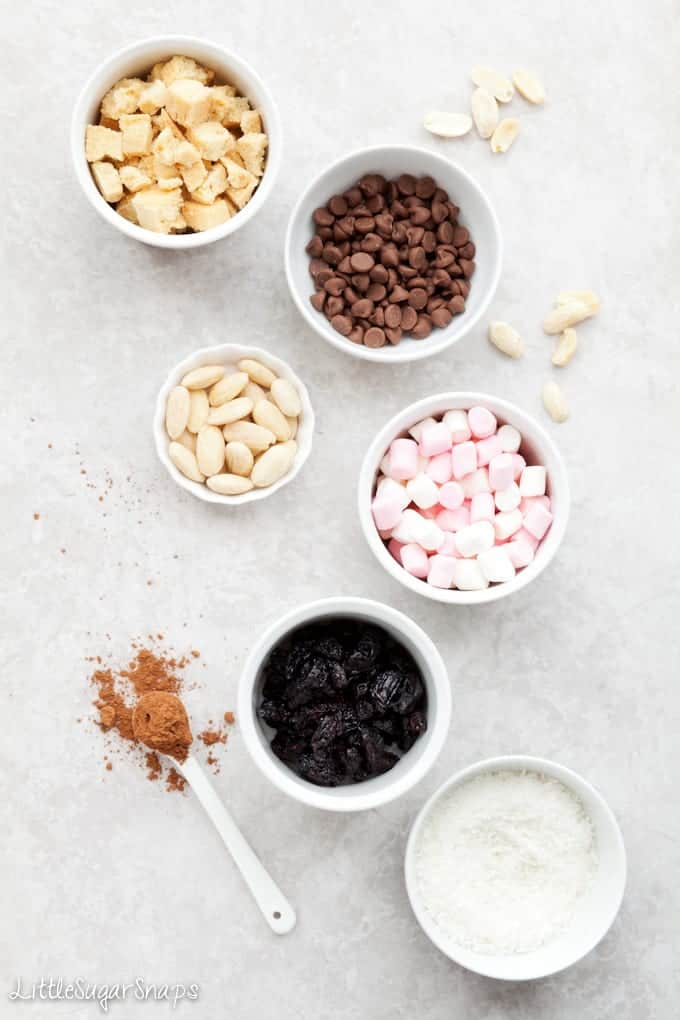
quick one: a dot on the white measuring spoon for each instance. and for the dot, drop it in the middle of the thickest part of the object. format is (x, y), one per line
(275, 908)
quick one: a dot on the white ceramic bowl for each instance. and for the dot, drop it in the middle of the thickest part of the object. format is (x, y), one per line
(137, 60)
(594, 913)
(476, 213)
(538, 448)
(229, 354)
(412, 766)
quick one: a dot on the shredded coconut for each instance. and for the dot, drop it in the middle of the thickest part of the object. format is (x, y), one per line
(503, 859)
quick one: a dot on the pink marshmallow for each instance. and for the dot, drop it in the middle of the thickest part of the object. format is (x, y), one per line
(528, 501)
(403, 462)
(482, 422)
(537, 521)
(448, 546)
(439, 468)
(482, 507)
(441, 571)
(501, 471)
(435, 439)
(487, 449)
(519, 464)
(431, 512)
(386, 512)
(464, 459)
(395, 548)
(453, 520)
(415, 560)
(451, 495)
(525, 536)
(520, 552)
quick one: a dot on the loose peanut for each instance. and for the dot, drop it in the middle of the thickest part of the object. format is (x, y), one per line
(201, 378)
(227, 388)
(566, 348)
(569, 314)
(198, 411)
(255, 437)
(286, 398)
(484, 112)
(239, 459)
(185, 461)
(555, 402)
(177, 411)
(210, 450)
(505, 134)
(273, 464)
(447, 125)
(506, 339)
(494, 82)
(528, 86)
(268, 415)
(258, 372)
(229, 485)
(232, 411)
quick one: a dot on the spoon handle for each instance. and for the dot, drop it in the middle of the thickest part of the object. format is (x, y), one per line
(276, 909)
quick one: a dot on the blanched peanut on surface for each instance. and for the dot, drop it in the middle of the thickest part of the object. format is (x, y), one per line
(566, 348)
(227, 388)
(504, 135)
(568, 314)
(177, 411)
(185, 461)
(258, 372)
(239, 459)
(529, 86)
(268, 415)
(555, 402)
(233, 430)
(506, 339)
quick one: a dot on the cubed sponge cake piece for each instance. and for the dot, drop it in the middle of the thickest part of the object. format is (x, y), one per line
(101, 142)
(203, 217)
(188, 102)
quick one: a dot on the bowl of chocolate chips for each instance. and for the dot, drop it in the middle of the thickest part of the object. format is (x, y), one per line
(344, 704)
(393, 253)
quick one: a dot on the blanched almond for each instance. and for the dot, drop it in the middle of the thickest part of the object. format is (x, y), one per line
(506, 339)
(210, 450)
(269, 417)
(188, 439)
(254, 392)
(239, 459)
(258, 372)
(293, 426)
(484, 112)
(185, 461)
(505, 134)
(528, 85)
(201, 378)
(569, 314)
(286, 398)
(555, 402)
(229, 485)
(198, 410)
(177, 411)
(588, 297)
(254, 436)
(227, 388)
(447, 125)
(566, 348)
(494, 82)
(232, 411)
(273, 464)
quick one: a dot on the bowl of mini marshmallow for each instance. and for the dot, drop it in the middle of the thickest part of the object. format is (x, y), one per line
(463, 498)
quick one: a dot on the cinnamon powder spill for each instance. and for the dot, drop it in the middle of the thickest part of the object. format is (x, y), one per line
(151, 670)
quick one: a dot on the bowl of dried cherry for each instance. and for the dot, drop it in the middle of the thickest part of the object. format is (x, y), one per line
(344, 704)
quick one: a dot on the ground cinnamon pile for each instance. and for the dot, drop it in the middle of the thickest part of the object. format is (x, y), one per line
(156, 674)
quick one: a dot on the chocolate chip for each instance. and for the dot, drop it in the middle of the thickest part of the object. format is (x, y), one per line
(409, 317)
(317, 300)
(371, 243)
(378, 317)
(334, 286)
(425, 188)
(376, 292)
(467, 266)
(334, 306)
(394, 335)
(399, 294)
(356, 334)
(441, 317)
(338, 205)
(362, 261)
(389, 256)
(417, 298)
(460, 237)
(331, 254)
(422, 328)
(353, 197)
(419, 216)
(342, 323)
(417, 257)
(362, 308)
(315, 267)
(393, 316)
(323, 275)
(406, 184)
(361, 282)
(322, 217)
(457, 304)
(374, 337)
(315, 247)
(378, 274)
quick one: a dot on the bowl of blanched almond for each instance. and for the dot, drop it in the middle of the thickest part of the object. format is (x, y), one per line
(233, 424)
(176, 142)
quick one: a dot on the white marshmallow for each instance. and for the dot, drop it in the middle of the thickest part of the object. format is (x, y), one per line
(423, 491)
(475, 538)
(428, 534)
(496, 564)
(458, 425)
(405, 530)
(416, 430)
(508, 499)
(506, 524)
(510, 438)
(477, 481)
(468, 576)
(532, 481)
(393, 490)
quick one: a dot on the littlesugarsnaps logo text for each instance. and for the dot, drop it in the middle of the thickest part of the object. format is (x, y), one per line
(103, 994)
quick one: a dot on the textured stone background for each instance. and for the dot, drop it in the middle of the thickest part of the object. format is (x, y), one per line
(106, 876)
